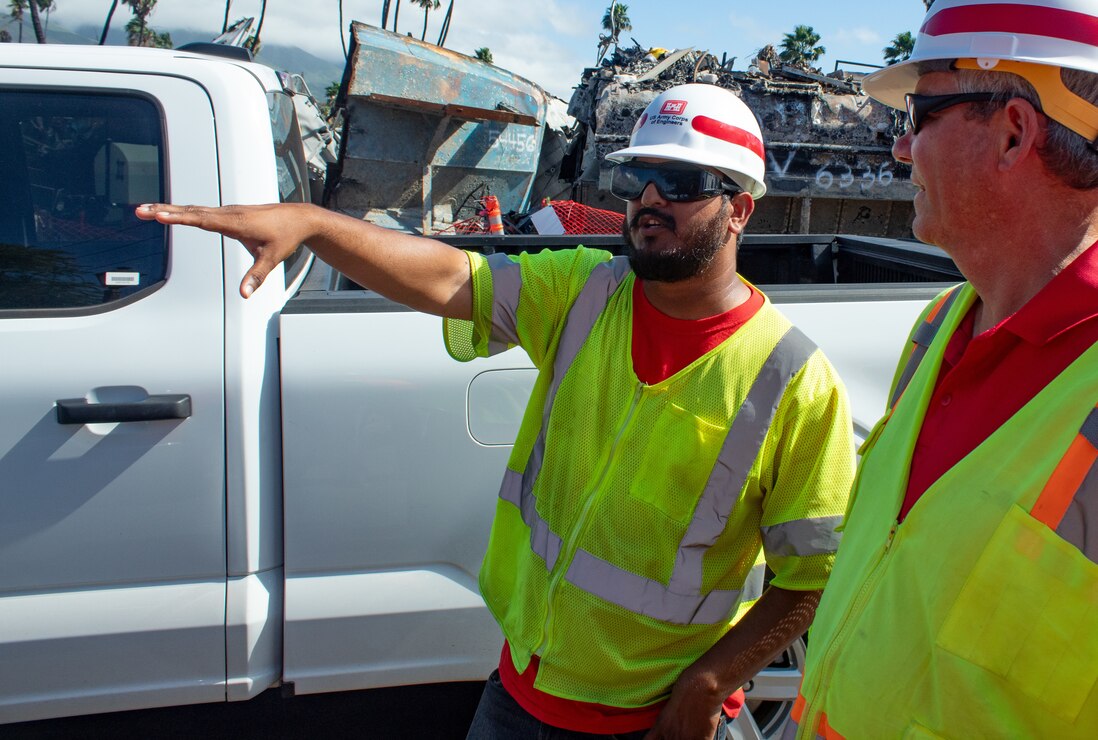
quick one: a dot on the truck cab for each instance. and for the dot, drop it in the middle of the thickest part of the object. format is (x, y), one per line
(203, 497)
(140, 522)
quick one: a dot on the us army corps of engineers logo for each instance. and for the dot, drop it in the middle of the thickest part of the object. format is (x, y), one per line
(671, 114)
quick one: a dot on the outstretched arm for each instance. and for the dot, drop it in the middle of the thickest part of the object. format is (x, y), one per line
(423, 274)
(776, 619)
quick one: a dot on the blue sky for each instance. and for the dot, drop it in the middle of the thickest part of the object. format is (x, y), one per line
(551, 41)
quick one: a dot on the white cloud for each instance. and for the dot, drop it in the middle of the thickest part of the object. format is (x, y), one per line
(752, 27)
(859, 35)
(540, 41)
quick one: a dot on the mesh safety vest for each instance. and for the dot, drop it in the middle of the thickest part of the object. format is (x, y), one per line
(978, 616)
(631, 517)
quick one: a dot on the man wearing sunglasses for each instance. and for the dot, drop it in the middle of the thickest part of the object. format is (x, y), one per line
(682, 437)
(964, 601)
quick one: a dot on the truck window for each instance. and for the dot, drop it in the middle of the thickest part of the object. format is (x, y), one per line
(72, 168)
(293, 178)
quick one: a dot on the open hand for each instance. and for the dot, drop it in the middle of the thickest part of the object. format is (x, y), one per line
(270, 233)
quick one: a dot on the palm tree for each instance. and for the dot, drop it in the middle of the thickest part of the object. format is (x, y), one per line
(138, 32)
(136, 28)
(107, 23)
(446, 24)
(800, 47)
(428, 6)
(900, 49)
(484, 54)
(36, 20)
(330, 94)
(17, 8)
(253, 41)
(616, 19)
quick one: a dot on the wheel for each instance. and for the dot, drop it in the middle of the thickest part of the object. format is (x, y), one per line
(770, 697)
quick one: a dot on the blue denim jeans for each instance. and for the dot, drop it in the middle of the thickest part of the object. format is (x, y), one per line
(499, 717)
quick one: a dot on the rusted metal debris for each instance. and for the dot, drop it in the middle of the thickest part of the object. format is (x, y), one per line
(427, 131)
(829, 162)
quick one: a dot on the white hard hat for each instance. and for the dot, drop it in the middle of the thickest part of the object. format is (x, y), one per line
(1018, 33)
(704, 125)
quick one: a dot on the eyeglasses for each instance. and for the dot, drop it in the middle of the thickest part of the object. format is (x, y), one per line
(677, 183)
(921, 106)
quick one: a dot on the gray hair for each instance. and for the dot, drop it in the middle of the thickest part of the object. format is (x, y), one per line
(1067, 154)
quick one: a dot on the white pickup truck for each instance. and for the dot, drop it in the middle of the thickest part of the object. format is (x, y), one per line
(203, 497)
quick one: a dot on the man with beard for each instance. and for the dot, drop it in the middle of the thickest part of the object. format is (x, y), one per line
(679, 429)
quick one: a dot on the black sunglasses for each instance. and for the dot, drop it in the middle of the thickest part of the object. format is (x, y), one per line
(677, 183)
(921, 106)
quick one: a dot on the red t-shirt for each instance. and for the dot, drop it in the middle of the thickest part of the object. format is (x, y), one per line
(984, 380)
(662, 346)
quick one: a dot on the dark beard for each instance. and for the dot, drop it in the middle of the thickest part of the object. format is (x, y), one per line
(696, 250)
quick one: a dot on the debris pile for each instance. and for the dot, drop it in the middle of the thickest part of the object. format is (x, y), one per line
(829, 163)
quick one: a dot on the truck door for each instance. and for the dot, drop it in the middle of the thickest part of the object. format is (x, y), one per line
(112, 472)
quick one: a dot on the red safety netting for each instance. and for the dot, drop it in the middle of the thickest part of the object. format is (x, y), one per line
(575, 218)
(580, 219)
(474, 225)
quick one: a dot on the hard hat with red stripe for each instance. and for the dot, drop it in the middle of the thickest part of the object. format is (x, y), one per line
(704, 125)
(1027, 37)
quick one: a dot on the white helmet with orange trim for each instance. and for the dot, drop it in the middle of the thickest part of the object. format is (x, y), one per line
(1031, 38)
(704, 125)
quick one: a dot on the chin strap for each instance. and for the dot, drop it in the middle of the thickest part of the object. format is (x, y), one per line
(1057, 101)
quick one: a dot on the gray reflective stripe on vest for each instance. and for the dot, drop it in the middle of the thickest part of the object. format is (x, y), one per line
(506, 289)
(518, 488)
(1080, 523)
(651, 598)
(741, 447)
(681, 601)
(803, 537)
(922, 338)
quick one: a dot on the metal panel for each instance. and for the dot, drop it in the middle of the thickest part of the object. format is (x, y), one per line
(387, 512)
(112, 535)
(426, 125)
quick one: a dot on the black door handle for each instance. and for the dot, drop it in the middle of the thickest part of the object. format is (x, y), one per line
(166, 406)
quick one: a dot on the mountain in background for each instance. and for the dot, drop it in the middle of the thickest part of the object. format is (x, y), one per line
(318, 73)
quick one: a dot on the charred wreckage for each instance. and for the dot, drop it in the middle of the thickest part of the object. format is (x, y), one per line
(430, 135)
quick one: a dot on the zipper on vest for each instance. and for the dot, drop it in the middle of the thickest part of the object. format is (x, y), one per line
(568, 549)
(811, 717)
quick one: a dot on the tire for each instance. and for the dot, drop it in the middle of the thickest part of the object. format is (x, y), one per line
(770, 697)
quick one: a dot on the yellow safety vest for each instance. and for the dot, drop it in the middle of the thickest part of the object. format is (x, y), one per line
(631, 517)
(978, 615)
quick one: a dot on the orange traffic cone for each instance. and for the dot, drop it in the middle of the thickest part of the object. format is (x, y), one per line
(495, 218)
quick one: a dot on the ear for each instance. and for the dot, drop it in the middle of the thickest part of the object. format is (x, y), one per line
(742, 206)
(1022, 134)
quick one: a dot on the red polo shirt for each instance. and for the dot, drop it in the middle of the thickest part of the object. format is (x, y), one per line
(984, 380)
